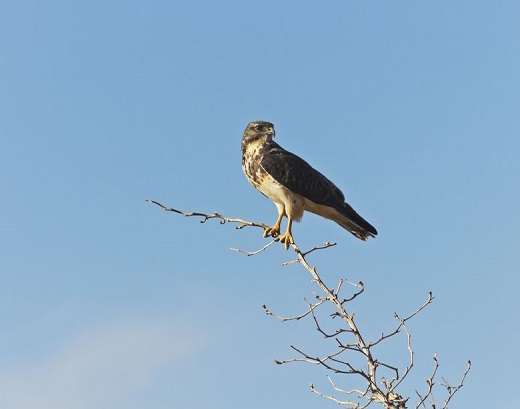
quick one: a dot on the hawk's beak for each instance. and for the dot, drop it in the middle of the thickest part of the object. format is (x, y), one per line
(271, 132)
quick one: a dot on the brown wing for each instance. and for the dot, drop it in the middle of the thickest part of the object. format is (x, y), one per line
(299, 177)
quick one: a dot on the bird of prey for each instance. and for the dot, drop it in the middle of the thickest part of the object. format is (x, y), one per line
(294, 186)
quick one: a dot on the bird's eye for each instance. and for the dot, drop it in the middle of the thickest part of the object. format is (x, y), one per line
(258, 127)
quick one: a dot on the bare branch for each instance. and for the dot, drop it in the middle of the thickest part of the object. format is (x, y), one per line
(381, 391)
(348, 392)
(325, 334)
(206, 216)
(345, 403)
(430, 383)
(255, 252)
(452, 390)
(296, 317)
(422, 307)
(325, 362)
(359, 285)
(403, 321)
(410, 352)
(326, 245)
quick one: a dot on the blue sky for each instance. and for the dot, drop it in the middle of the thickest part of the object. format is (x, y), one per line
(411, 108)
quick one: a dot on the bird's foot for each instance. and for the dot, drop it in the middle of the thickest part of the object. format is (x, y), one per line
(287, 239)
(272, 231)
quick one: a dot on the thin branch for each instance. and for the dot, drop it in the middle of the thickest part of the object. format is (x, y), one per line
(325, 334)
(347, 392)
(452, 390)
(255, 252)
(207, 216)
(402, 321)
(422, 307)
(430, 383)
(359, 285)
(410, 352)
(296, 317)
(326, 245)
(324, 362)
(345, 403)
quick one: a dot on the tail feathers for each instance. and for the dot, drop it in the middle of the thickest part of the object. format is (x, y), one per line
(345, 216)
(354, 223)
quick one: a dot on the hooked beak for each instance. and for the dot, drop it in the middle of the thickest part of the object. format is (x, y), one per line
(271, 132)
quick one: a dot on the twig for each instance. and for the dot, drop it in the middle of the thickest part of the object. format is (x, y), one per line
(296, 317)
(326, 245)
(452, 390)
(430, 383)
(345, 403)
(206, 216)
(347, 392)
(402, 321)
(255, 252)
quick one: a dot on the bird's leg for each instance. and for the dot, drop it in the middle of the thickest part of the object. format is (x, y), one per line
(287, 237)
(275, 230)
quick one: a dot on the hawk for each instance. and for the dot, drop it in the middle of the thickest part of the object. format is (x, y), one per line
(294, 186)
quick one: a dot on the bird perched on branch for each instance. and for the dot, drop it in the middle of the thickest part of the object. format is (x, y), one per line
(294, 186)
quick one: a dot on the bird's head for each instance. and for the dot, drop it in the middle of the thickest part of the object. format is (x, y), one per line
(257, 131)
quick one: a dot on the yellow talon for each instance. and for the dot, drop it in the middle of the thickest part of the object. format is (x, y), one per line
(287, 239)
(272, 231)
(275, 230)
